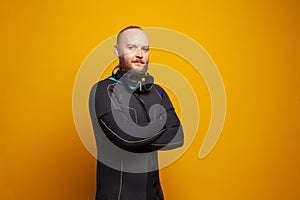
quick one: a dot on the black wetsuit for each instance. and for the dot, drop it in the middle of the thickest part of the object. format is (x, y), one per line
(127, 166)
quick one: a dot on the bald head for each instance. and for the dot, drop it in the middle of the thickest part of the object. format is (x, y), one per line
(132, 33)
(124, 29)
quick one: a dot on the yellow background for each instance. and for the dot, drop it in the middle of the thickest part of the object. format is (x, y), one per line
(255, 45)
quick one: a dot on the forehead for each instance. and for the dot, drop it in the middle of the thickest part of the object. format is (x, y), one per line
(134, 36)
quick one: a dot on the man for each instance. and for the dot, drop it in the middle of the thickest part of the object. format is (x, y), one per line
(132, 118)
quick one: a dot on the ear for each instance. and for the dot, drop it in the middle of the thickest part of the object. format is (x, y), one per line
(116, 51)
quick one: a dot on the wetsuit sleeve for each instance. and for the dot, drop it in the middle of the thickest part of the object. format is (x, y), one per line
(108, 113)
(124, 139)
(173, 136)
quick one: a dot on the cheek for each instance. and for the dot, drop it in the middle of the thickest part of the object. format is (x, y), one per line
(146, 56)
(128, 57)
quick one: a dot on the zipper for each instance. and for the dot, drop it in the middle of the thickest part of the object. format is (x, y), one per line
(143, 106)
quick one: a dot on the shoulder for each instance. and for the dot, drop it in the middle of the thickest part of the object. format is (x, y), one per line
(165, 100)
(157, 87)
(102, 85)
(159, 90)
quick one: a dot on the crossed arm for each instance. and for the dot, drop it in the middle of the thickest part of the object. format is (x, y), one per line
(168, 137)
(120, 130)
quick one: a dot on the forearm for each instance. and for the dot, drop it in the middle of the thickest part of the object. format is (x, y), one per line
(172, 138)
(123, 134)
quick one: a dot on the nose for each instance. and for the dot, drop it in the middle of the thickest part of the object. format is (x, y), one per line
(139, 53)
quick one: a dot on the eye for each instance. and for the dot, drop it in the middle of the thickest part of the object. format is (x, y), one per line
(146, 49)
(131, 47)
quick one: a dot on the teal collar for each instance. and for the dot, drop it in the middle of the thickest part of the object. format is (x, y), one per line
(115, 80)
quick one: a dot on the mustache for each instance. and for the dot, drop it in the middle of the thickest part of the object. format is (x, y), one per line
(138, 61)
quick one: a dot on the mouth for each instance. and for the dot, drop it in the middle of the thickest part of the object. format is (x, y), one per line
(138, 61)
